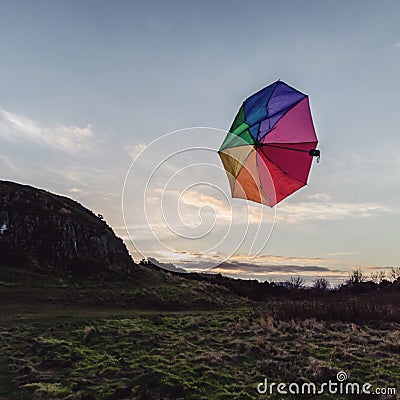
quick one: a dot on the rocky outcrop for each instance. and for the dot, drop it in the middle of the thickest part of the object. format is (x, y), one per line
(55, 231)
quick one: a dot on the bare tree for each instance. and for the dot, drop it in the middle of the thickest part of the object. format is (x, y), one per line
(295, 282)
(394, 273)
(355, 277)
(378, 277)
(321, 284)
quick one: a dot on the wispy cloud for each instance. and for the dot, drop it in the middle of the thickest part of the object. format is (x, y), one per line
(199, 261)
(75, 190)
(196, 199)
(281, 260)
(320, 207)
(319, 196)
(134, 151)
(225, 209)
(328, 211)
(397, 45)
(62, 137)
(343, 253)
(253, 269)
(8, 162)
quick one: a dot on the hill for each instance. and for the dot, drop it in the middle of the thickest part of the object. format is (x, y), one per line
(47, 231)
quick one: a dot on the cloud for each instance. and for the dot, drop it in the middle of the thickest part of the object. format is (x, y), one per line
(239, 265)
(227, 210)
(319, 196)
(319, 208)
(134, 151)
(7, 161)
(327, 211)
(396, 45)
(343, 253)
(281, 260)
(75, 190)
(195, 260)
(253, 269)
(62, 137)
(196, 199)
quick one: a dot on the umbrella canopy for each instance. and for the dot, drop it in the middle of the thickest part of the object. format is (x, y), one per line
(268, 151)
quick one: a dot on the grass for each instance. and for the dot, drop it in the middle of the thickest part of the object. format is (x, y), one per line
(7, 386)
(162, 336)
(190, 355)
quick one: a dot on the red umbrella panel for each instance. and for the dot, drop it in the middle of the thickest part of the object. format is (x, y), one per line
(268, 151)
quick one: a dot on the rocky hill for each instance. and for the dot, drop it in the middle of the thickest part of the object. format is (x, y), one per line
(50, 231)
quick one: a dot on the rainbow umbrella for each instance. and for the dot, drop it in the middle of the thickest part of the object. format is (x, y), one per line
(268, 151)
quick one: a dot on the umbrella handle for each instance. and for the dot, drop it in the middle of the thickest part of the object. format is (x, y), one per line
(315, 153)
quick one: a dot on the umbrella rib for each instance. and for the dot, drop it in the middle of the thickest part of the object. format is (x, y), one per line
(244, 161)
(269, 116)
(259, 178)
(267, 109)
(286, 148)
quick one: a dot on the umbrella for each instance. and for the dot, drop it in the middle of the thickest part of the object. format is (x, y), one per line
(268, 151)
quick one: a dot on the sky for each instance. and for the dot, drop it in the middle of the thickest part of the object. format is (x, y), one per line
(89, 87)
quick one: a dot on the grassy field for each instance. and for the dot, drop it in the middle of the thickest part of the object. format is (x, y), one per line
(170, 338)
(187, 355)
